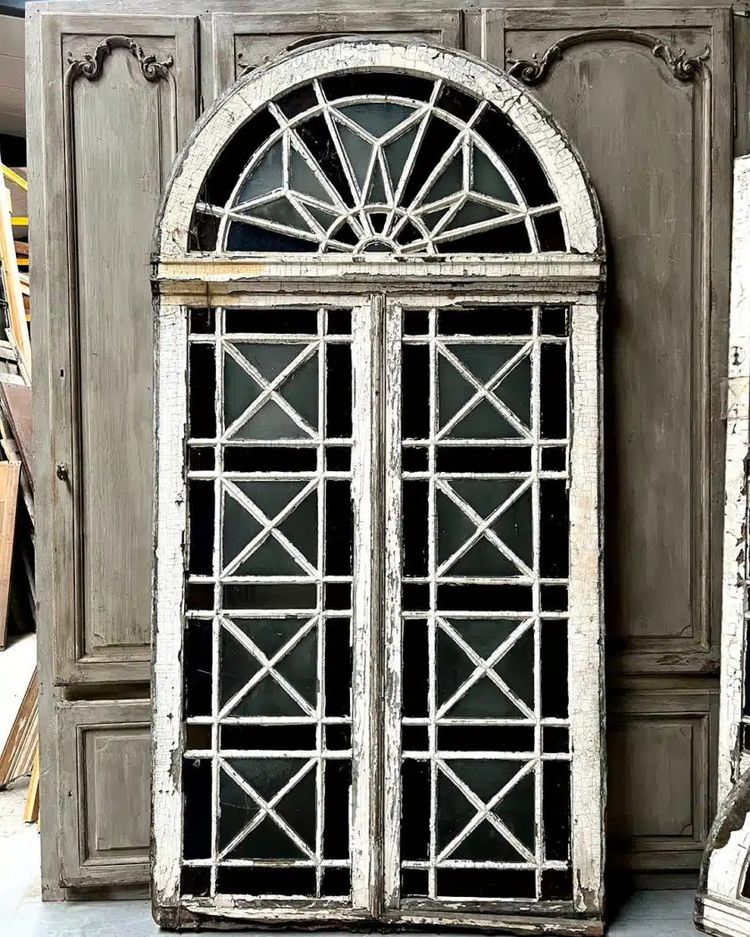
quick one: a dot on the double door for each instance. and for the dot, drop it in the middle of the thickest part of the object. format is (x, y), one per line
(390, 659)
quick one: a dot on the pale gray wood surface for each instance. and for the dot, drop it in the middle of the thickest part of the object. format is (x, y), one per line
(658, 150)
(667, 348)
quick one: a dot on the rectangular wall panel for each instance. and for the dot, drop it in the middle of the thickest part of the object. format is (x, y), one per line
(121, 118)
(104, 792)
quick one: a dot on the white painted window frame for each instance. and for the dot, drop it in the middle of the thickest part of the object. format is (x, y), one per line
(734, 617)
(183, 280)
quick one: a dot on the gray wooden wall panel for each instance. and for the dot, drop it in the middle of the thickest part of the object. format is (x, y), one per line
(657, 149)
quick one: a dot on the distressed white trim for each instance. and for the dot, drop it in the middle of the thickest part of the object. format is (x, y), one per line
(561, 164)
(734, 601)
(171, 417)
(586, 621)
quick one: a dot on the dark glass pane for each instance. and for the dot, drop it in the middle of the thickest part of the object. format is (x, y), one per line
(378, 83)
(197, 737)
(273, 595)
(204, 231)
(415, 809)
(508, 239)
(486, 883)
(557, 885)
(197, 657)
(336, 883)
(200, 458)
(255, 737)
(415, 535)
(201, 524)
(484, 458)
(498, 130)
(271, 321)
(415, 596)
(338, 737)
(338, 667)
(415, 391)
(202, 382)
(486, 738)
(199, 596)
(554, 598)
(554, 528)
(414, 739)
(338, 458)
(553, 392)
(297, 101)
(249, 237)
(338, 528)
(269, 459)
(556, 809)
(436, 140)
(554, 664)
(554, 459)
(195, 881)
(416, 322)
(339, 322)
(196, 796)
(415, 670)
(314, 134)
(234, 880)
(414, 883)
(485, 598)
(555, 740)
(414, 459)
(338, 595)
(338, 779)
(229, 164)
(457, 103)
(554, 320)
(549, 231)
(486, 320)
(339, 391)
(202, 321)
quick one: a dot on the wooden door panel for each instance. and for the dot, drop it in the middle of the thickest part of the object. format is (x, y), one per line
(244, 40)
(104, 776)
(122, 116)
(662, 772)
(656, 147)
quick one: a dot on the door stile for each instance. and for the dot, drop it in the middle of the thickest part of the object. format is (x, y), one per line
(392, 609)
(366, 849)
(586, 617)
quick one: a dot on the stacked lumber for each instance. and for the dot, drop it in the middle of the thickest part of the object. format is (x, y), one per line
(20, 755)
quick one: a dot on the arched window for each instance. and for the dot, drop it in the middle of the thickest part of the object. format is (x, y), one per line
(378, 654)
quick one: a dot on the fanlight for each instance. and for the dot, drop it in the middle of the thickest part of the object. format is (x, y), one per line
(369, 162)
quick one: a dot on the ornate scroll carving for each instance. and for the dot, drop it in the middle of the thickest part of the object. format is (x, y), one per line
(90, 63)
(534, 70)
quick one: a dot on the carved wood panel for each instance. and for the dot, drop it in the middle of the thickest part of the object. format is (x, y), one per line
(122, 95)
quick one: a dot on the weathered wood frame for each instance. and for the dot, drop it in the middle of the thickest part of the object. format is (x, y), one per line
(182, 280)
(734, 621)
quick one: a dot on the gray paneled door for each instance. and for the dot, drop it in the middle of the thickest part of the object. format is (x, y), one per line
(655, 134)
(653, 126)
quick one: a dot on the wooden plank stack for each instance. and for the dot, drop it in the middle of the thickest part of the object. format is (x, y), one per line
(20, 754)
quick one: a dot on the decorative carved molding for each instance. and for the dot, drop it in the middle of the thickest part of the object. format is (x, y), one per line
(90, 63)
(534, 70)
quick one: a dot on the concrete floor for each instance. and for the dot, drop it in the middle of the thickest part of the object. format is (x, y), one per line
(22, 914)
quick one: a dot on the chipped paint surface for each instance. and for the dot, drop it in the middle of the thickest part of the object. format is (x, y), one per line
(243, 99)
(373, 287)
(734, 600)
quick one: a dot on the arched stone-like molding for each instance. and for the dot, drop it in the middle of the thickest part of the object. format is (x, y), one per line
(558, 158)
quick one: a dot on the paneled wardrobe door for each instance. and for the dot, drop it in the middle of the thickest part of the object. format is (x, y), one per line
(646, 97)
(110, 100)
